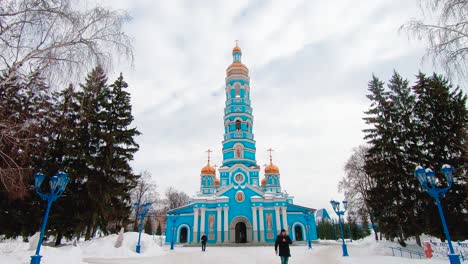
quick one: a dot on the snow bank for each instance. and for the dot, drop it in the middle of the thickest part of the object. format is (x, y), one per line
(17, 252)
(104, 247)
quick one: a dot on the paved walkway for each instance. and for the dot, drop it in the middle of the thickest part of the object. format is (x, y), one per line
(259, 255)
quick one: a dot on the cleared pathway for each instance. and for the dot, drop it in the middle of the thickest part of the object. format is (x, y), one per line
(227, 255)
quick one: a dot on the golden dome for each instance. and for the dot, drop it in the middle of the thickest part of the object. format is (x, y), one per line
(216, 182)
(236, 49)
(272, 169)
(208, 170)
(263, 181)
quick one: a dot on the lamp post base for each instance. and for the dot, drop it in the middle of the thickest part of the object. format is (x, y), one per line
(454, 259)
(345, 250)
(310, 244)
(36, 259)
(138, 248)
(172, 245)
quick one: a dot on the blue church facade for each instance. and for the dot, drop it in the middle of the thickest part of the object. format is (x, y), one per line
(238, 207)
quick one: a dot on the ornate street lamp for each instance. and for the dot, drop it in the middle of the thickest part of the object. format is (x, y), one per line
(57, 183)
(308, 218)
(173, 219)
(428, 182)
(336, 208)
(143, 211)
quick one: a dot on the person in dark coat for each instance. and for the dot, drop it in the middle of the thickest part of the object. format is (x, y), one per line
(203, 242)
(282, 242)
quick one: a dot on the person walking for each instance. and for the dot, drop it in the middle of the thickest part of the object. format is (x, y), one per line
(203, 242)
(282, 242)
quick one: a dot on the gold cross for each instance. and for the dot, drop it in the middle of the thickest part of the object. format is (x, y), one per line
(271, 158)
(237, 43)
(209, 151)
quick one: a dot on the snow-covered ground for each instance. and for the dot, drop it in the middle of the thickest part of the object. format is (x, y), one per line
(102, 251)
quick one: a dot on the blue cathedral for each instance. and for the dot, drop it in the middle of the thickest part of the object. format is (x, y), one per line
(239, 206)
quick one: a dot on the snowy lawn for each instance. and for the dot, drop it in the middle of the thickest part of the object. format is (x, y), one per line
(102, 251)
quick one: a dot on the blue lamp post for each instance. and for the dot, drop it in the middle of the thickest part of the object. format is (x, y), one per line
(308, 218)
(428, 182)
(173, 219)
(57, 183)
(336, 208)
(143, 211)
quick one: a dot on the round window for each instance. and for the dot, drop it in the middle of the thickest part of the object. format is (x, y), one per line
(240, 197)
(239, 178)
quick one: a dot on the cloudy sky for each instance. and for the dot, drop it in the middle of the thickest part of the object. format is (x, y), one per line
(309, 61)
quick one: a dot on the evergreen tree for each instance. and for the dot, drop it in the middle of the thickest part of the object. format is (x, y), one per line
(158, 229)
(426, 125)
(384, 198)
(442, 126)
(148, 226)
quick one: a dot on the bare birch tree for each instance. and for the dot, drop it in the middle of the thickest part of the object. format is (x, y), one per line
(60, 38)
(445, 29)
(357, 182)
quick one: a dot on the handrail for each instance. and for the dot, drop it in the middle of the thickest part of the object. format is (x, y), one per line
(411, 252)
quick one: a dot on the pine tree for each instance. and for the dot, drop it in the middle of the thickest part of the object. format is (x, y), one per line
(380, 166)
(158, 229)
(442, 120)
(148, 226)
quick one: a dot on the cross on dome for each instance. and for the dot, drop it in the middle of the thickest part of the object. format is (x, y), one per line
(271, 168)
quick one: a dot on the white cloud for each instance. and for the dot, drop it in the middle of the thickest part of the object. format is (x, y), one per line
(309, 60)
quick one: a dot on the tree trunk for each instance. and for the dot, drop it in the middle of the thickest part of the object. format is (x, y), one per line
(88, 232)
(58, 240)
(418, 240)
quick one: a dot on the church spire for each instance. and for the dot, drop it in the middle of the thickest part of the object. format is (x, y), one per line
(236, 53)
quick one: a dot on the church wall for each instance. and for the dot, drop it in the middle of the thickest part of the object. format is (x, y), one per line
(247, 144)
(183, 219)
(299, 217)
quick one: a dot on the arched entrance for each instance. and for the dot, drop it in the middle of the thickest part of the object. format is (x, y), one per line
(183, 235)
(298, 233)
(240, 230)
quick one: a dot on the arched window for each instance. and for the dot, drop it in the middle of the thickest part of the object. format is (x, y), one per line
(238, 125)
(237, 90)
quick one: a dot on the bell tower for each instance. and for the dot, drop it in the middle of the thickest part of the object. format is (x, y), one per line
(238, 144)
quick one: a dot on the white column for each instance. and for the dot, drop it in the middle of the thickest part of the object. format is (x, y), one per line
(262, 224)
(278, 222)
(226, 227)
(202, 221)
(218, 225)
(254, 217)
(285, 218)
(195, 225)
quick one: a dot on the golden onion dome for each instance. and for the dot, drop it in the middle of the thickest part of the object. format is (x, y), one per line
(263, 181)
(236, 49)
(208, 170)
(216, 182)
(272, 169)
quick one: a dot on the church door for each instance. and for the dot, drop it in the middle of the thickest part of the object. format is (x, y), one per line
(241, 232)
(298, 233)
(183, 235)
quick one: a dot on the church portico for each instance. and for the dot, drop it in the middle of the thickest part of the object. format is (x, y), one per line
(240, 230)
(238, 206)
